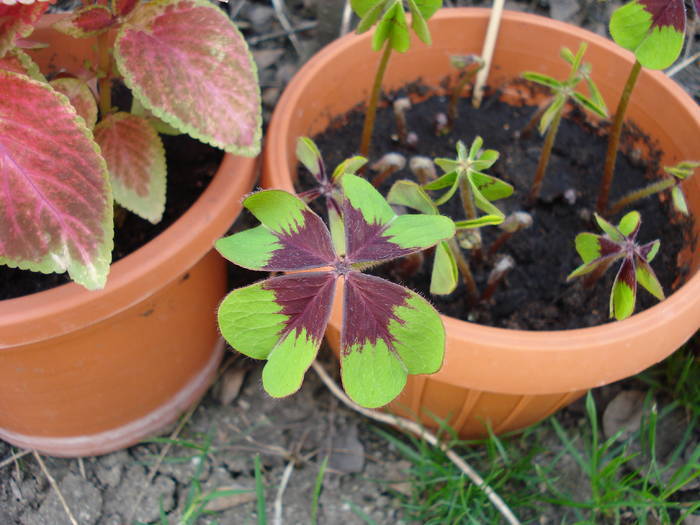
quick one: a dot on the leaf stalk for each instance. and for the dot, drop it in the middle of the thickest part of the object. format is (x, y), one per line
(370, 116)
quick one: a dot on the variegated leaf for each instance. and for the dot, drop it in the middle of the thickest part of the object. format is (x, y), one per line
(291, 236)
(18, 21)
(653, 29)
(283, 320)
(18, 61)
(56, 203)
(86, 22)
(624, 291)
(373, 232)
(81, 98)
(647, 278)
(189, 65)
(136, 160)
(388, 332)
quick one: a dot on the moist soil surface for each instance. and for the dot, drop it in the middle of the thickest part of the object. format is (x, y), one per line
(535, 294)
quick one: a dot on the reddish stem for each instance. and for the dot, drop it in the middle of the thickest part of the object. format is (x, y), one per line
(371, 114)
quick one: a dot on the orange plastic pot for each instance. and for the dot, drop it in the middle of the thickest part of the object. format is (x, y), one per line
(507, 379)
(84, 373)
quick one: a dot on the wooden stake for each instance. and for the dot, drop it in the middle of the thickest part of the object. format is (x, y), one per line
(487, 52)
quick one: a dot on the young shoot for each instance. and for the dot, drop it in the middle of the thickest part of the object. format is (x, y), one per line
(512, 224)
(401, 106)
(600, 252)
(469, 66)
(476, 189)
(423, 168)
(678, 173)
(552, 112)
(389, 164)
(391, 34)
(654, 31)
(388, 331)
(503, 265)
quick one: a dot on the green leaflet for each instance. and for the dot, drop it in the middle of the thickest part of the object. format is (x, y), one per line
(647, 278)
(443, 279)
(622, 300)
(408, 193)
(373, 375)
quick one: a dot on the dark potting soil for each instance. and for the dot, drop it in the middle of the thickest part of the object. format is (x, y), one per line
(535, 294)
(191, 166)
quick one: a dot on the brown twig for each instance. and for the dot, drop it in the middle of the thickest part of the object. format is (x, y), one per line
(422, 433)
(54, 485)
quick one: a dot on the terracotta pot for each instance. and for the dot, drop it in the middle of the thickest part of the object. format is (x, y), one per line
(85, 373)
(507, 378)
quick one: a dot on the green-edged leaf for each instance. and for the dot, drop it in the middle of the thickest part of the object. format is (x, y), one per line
(81, 97)
(654, 30)
(609, 229)
(388, 332)
(588, 246)
(337, 228)
(445, 275)
(647, 278)
(18, 61)
(679, 202)
(490, 187)
(629, 224)
(392, 27)
(17, 21)
(283, 320)
(544, 80)
(200, 79)
(350, 165)
(136, 160)
(589, 104)
(138, 109)
(55, 198)
(373, 231)
(418, 23)
(595, 251)
(291, 236)
(649, 250)
(408, 193)
(555, 106)
(624, 291)
(309, 156)
(87, 21)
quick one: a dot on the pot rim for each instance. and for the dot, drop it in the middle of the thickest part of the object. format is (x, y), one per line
(134, 278)
(682, 302)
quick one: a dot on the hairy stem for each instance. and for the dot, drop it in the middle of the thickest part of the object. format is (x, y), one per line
(647, 191)
(368, 126)
(532, 124)
(104, 74)
(614, 139)
(544, 157)
(464, 79)
(463, 266)
(465, 192)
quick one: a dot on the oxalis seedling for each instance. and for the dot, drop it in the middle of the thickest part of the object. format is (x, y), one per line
(654, 31)
(392, 34)
(67, 154)
(550, 114)
(388, 331)
(619, 243)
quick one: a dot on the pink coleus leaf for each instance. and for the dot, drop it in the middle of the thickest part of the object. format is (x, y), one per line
(87, 21)
(188, 64)
(55, 202)
(136, 160)
(81, 98)
(18, 61)
(17, 21)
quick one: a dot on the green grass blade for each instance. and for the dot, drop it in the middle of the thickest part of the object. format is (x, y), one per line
(317, 491)
(260, 491)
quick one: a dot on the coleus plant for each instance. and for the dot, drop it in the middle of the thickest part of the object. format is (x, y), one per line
(67, 154)
(388, 331)
(654, 31)
(392, 34)
(550, 114)
(619, 243)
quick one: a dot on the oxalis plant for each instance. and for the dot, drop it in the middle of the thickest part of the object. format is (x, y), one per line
(391, 34)
(67, 155)
(654, 31)
(388, 331)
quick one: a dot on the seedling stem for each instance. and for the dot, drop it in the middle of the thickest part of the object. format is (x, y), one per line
(371, 114)
(544, 157)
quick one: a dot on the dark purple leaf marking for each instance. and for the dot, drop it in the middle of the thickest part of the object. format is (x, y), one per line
(309, 247)
(645, 249)
(364, 241)
(306, 298)
(627, 273)
(608, 247)
(369, 304)
(666, 13)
